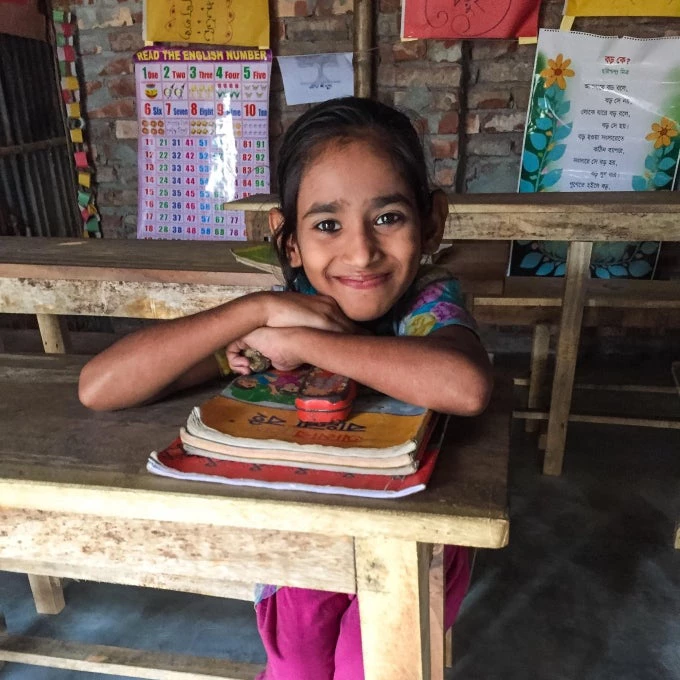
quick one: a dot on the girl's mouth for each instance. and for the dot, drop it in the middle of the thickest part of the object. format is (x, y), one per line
(363, 281)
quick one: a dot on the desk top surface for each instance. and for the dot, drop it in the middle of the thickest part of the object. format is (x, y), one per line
(57, 455)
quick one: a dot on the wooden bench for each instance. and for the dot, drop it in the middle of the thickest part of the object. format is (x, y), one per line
(86, 508)
(580, 219)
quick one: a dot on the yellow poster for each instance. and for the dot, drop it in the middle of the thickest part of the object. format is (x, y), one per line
(212, 22)
(622, 8)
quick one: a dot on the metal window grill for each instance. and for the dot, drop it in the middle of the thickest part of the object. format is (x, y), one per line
(37, 178)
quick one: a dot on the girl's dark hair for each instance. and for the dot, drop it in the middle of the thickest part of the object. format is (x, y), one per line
(339, 121)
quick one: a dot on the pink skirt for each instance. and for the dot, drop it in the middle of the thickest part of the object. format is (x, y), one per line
(315, 635)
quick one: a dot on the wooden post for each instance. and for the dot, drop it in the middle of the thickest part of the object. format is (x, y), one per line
(392, 586)
(363, 39)
(578, 272)
(53, 333)
(539, 361)
(437, 597)
(48, 594)
(677, 536)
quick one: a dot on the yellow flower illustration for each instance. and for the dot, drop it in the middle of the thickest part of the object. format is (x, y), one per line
(662, 132)
(556, 72)
(420, 324)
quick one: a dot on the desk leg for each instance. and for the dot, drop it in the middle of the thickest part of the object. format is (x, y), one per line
(48, 594)
(539, 362)
(439, 645)
(393, 591)
(578, 273)
(54, 333)
(677, 536)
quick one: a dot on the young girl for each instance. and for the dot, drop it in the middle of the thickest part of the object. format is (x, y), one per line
(355, 220)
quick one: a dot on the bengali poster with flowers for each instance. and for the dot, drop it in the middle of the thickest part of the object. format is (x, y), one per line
(604, 115)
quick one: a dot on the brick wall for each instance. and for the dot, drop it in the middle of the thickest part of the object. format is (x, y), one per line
(469, 99)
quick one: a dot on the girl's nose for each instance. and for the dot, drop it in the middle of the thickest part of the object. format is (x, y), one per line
(364, 249)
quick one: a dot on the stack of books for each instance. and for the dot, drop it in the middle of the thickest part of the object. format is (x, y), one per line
(251, 435)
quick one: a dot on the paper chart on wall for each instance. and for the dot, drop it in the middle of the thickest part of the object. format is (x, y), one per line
(603, 116)
(312, 78)
(203, 139)
(622, 8)
(478, 19)
(226, 22)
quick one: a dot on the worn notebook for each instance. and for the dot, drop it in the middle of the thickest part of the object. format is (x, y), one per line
(258, 412)
(175, 462)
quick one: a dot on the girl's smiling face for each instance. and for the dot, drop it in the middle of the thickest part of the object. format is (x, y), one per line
(358, 235)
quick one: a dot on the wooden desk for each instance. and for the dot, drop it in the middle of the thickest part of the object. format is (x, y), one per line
(75, 501)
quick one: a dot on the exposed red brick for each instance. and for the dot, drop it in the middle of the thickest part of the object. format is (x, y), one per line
(122, 87)
(93, 85)
(118, 67)
(121, 108)
(301, 8)
(409, 51)
(126, 40)
(444, 148)
(448, 124)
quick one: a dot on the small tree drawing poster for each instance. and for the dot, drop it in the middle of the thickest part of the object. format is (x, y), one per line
(603, 115)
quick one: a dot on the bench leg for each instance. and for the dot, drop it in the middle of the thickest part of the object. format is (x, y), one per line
(48, 594)
(53, 332)
(394, 607)
(578, 273)
(539, 362)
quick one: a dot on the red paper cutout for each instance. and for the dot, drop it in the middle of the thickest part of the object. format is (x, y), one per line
(455, 19)
(81, 159)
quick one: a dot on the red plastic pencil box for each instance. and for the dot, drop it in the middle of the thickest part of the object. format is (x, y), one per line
(324, 397)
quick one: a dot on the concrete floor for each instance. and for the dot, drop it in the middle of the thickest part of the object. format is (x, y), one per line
(588, 589)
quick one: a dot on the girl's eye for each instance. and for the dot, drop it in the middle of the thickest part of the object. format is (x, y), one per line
(390, 218)
(327, 226)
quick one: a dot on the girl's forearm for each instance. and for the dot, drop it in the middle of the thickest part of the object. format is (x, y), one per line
(447, 373)
(142, 365)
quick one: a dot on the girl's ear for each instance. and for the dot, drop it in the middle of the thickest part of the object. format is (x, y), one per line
(292, 250)
(433, 230)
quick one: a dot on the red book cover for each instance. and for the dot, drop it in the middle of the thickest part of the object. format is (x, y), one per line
(174, 462)
(456, 19)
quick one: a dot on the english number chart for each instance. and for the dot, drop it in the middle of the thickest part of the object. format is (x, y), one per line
(203, 139)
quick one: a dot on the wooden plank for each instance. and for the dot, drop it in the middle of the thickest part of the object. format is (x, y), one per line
(629, 421)
(97, 544)
(578, 272)
(185, 583)
(181, 261)
(113, 298)
(109, 660)
(437, 593)
(539, 363)
(616, 216)
(48, 593)
(392, 585)
(677, 537)
(609, 387)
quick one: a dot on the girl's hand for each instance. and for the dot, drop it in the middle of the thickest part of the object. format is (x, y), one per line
(313, 311)
(280, 345)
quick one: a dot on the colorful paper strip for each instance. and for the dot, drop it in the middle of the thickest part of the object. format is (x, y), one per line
(81, 159)
(622, 8)
(77, 136)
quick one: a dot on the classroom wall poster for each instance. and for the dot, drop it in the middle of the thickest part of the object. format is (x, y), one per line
(603, 116)
(312, 78)
(469, 19)
(622, 8)
(203, 139)
(221, 22)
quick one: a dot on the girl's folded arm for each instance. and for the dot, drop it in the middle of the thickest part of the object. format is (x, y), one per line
(448, 371)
